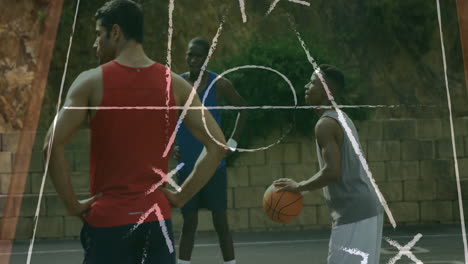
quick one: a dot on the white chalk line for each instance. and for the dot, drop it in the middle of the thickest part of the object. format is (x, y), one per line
(452, 134)
(275, 2)
(357, 252)
(265, 107)
(49, 149)
(300, 2)
(404, 250)
(272, 6)
(170, 31)
(303, 45)
(166, 178)
(236, 69)
(242, 8)
(229, 107)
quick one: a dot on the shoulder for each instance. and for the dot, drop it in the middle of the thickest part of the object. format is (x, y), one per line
(224, 83)
(327, 123)
(86, 81)
(180, 88)
(89, 74)
(177, 79)
(184, 75)
(224, 86)
(93, 74)
(326, 127)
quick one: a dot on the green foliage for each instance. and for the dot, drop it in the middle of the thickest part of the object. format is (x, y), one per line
(262, 87)
(406, 24)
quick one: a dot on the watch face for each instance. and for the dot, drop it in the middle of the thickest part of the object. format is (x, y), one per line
(232, 144)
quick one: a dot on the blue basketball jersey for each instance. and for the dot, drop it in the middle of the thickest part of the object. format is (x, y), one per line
(189, 147)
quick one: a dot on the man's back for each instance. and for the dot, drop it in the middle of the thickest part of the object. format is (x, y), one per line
(127, 145)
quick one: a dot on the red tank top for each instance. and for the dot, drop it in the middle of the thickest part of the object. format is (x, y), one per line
(127, 146)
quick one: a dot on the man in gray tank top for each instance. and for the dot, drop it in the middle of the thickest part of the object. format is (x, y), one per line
(357, 215)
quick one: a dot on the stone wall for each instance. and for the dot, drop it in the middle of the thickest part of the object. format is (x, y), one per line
(411, 161)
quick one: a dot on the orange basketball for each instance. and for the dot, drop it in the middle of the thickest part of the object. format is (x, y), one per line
(282, 207)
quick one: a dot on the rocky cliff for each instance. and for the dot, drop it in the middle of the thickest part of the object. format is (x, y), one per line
(21, 24)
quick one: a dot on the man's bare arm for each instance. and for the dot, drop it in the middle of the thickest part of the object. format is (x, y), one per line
(328, 132)
(68, 122)
(211, 155)
(230, 94)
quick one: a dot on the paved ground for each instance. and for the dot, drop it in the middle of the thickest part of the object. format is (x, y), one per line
(438, 244)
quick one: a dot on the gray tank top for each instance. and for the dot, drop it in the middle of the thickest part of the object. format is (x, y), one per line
(351, 198)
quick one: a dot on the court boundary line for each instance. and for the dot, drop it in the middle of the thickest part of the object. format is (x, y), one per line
(267, 242)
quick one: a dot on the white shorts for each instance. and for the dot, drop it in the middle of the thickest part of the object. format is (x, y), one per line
(347, 241)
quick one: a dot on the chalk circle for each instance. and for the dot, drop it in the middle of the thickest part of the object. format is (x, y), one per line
(233, 70)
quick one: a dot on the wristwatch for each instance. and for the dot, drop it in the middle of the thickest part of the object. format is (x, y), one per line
(232, 144)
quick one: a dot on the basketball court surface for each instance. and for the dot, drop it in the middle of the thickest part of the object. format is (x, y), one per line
(439, 244)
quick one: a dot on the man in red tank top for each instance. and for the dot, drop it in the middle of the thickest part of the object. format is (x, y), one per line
(127, 219)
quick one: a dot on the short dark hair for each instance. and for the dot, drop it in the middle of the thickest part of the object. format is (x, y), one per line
(125, 13)
(202, 42)
(332, 73)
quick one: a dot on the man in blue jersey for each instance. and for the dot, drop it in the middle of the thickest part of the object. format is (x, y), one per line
(214, 195)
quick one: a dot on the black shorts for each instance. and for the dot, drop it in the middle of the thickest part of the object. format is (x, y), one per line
(117, 245)
(213, 196)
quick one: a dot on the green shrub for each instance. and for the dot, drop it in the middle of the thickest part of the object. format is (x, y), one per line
(262, 87)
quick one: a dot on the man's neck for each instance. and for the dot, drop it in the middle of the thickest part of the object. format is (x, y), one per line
(132, 54)
(193, 76)
(319, 112)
